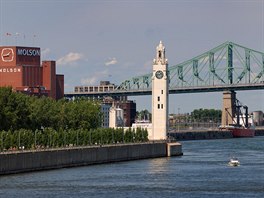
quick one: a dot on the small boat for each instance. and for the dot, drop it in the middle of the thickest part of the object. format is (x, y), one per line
(233, 162)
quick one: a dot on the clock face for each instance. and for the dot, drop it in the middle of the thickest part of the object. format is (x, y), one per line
(159, 74)
(7, 54)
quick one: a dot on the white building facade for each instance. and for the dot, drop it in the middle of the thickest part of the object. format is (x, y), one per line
(116, 117)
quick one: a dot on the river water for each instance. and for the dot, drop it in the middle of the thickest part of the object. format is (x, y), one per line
(202, 171)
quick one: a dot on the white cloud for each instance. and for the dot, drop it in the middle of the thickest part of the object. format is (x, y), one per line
(69, 58)
(112, 61)
(45, 51)
(97, 76)
(89, 81)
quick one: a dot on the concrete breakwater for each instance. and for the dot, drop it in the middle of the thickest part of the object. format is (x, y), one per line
(200, 135)
(17, 162)
(206, 134)
(259, 132)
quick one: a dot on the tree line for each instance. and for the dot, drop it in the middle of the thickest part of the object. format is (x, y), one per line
(198, 115)
(19, 111)
(206, 115)
(32, 122)
(49, 138)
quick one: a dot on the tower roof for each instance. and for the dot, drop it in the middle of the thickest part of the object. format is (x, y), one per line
(160, 46)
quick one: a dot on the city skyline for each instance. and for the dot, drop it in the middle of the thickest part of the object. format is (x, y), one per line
(116, 40)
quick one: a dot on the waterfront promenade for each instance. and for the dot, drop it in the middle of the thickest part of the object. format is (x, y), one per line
(53, 158)
(35, 160)
(202, 171)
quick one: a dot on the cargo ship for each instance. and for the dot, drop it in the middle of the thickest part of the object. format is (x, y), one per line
(242, 132)
(241, 116)
(239, 131)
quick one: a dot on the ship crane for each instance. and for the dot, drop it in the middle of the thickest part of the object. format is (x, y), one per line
(240, 110)
(236, 128)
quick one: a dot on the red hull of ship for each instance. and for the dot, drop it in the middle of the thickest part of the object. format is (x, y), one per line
(237, 132)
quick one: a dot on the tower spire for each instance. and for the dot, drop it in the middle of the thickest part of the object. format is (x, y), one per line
(160, 54)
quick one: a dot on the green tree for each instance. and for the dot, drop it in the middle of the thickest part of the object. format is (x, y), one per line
(44, 113)
(14, 110)
(206, 115)
(83, 114)
(144, 115)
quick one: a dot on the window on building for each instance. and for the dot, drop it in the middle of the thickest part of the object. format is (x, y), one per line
(159, 54)
(158, 106)
(161, 91)
(161, 106)
(158, 98)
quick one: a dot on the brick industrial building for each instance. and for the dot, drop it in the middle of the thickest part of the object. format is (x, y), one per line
(128, 106)
(21, 69)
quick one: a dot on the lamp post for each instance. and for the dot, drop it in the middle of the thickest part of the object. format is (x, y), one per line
(77, 140)
(178, 119)
(2, 143)
(90, 137)
(35, 144)
(19, 139)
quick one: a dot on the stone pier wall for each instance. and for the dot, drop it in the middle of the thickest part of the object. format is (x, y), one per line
(17, 162)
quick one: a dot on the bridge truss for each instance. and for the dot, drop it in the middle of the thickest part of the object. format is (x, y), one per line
(227, 67)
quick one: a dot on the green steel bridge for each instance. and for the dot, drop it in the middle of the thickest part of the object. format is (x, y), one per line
(226, 67)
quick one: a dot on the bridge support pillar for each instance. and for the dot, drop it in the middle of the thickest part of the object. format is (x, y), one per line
(228, 108)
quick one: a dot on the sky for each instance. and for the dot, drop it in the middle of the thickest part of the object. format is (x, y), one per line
(94, 40)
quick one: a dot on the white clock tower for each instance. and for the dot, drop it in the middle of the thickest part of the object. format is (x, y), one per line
(160, 99)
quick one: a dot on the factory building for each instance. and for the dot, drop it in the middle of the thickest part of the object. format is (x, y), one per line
(20, 68)
(105, 86)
